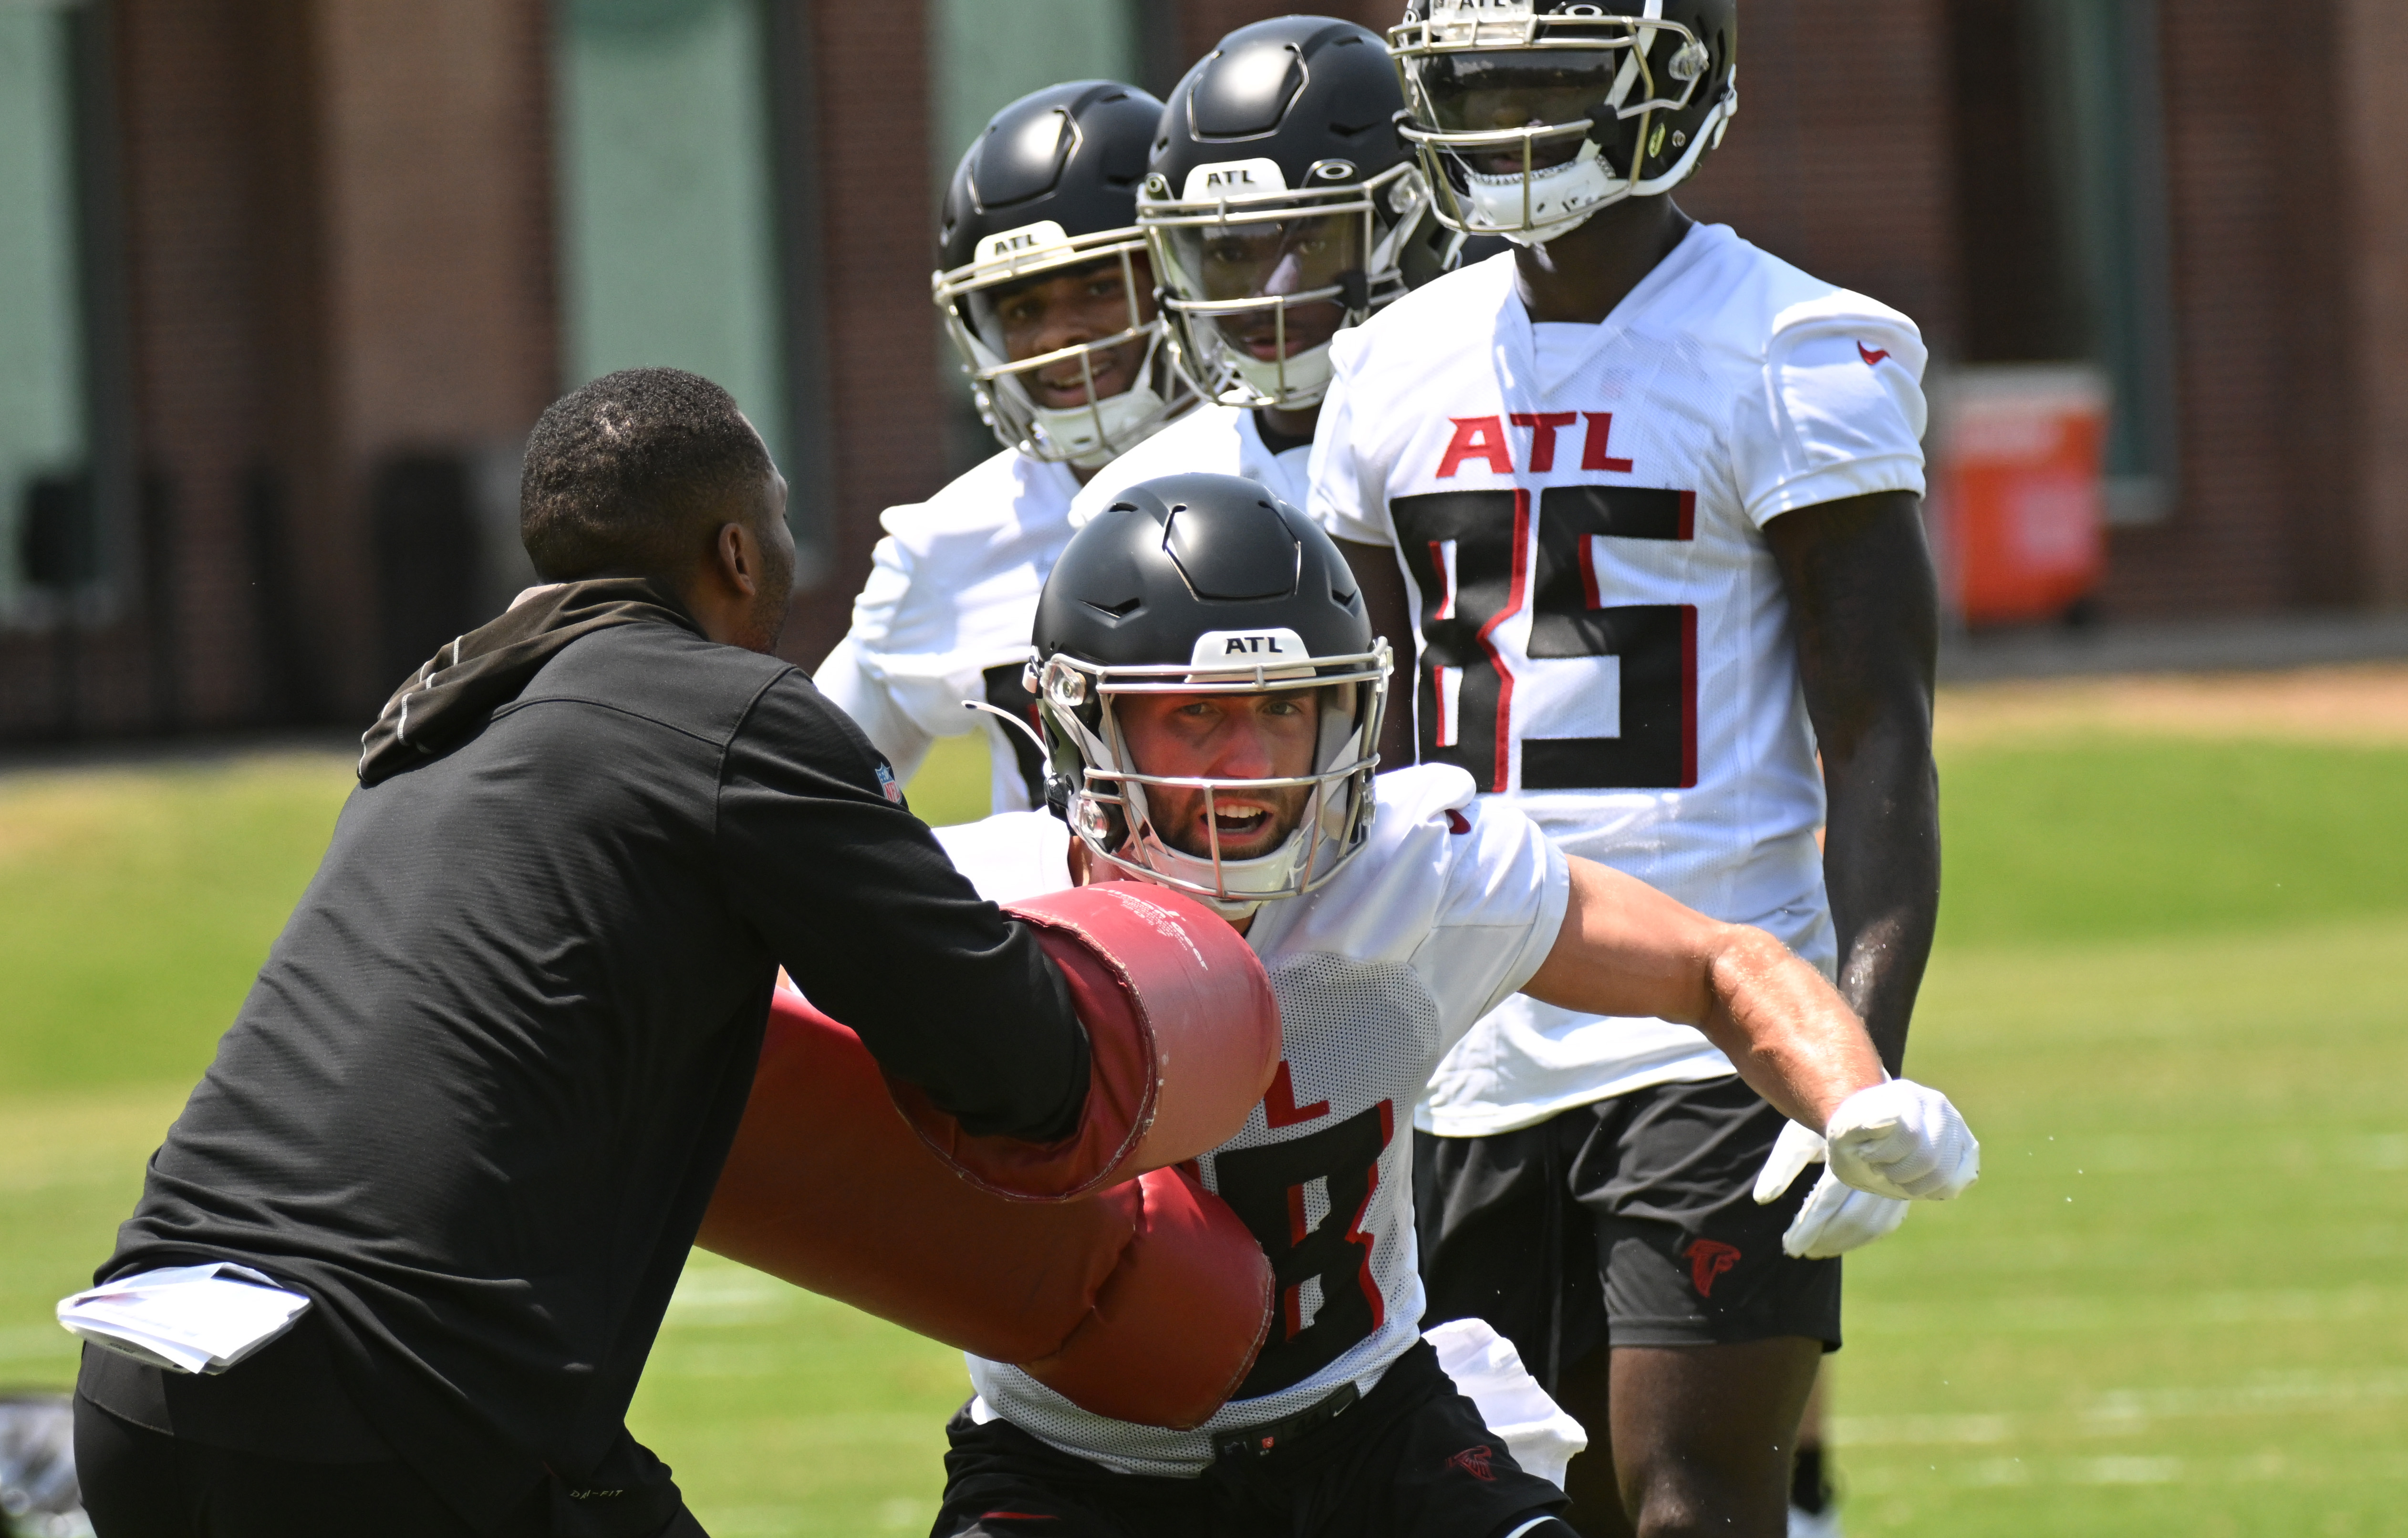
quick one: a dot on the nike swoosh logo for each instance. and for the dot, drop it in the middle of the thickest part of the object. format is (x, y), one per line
(1869, 356)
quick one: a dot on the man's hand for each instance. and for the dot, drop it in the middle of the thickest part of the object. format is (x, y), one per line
(1902, 1139)
(1890, 1143)
(1836, 1218)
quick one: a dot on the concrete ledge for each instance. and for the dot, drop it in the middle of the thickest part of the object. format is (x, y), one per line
(2205, 645)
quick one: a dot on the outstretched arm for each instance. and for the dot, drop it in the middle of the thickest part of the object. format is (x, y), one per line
(1626, 949)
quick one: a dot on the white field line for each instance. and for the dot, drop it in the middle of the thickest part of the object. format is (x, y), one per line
(2124, 1412)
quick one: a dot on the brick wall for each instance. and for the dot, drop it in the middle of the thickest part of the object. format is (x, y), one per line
(190, 187)
(337, 246)
(2370, 43)
(2261, 517)
(436, 249)
(1839, 158)
(886, 429)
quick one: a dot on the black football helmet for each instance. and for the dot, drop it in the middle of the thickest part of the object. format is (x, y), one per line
(1281, 204)
(1050, 184)
(1205, 584)
(1531, 115)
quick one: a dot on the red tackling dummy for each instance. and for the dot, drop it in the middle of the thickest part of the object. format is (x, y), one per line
(1181, 1029)
(1147, 1300)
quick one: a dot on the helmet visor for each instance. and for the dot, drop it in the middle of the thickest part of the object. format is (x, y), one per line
(1053, 317)
(1267, 289)
(1504, 92)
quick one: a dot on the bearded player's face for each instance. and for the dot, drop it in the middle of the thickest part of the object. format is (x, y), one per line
(1223, 736)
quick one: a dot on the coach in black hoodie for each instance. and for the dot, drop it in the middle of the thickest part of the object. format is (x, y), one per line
(476, 1102)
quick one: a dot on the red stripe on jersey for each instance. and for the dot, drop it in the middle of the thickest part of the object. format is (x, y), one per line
(1688, 688)
(1445, 569)
(1588, 571)
(1355, 1233)
(1292, 1299)
(1688, 516)
(1513, 605)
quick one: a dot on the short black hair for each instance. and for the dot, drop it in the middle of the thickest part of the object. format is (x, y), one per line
(625, 475)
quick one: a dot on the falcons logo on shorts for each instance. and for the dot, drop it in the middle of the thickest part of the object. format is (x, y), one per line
(1474, 1462)
(1707, 1259)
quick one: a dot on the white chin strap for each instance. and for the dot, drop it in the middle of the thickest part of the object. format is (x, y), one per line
(1089, 437)
(1561, 198)
(1272, 875)
(1296, 382)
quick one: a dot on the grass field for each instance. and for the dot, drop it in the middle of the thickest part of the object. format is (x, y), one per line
(2169, 994)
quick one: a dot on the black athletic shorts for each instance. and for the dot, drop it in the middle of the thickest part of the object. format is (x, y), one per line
(1629, 1221)
(1411, 1460)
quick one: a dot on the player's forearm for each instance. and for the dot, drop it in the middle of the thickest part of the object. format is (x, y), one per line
(1788, 1032)
(1390, 611)
(1880, 864)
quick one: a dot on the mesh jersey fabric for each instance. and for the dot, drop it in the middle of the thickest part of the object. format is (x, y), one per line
(1578, 511)
(1451, 904)
(951, 593)
(1221, 439)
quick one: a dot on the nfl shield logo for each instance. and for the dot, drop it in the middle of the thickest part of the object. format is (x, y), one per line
(887, 787)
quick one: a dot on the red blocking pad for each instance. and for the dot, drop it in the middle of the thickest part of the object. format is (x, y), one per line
(1184, 1036)
(1146, 1301)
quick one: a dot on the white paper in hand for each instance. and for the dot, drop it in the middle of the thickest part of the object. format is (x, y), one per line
(200, 1318)
(1484, 1365)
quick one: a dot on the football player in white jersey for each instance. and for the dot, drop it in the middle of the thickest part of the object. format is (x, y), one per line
(1211, 688)
(1047, 293)
(1647, 498)
(1281, 206)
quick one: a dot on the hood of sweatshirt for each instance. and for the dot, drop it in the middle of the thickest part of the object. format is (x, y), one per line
(470, 677)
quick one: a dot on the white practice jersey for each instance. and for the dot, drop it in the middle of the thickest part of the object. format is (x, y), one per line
(1223, 440)
(1451, 904)
(1579, 510)
(945, 616)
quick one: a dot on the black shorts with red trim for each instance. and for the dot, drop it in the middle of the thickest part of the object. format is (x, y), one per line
(1411, 1459)
(1629, 1222)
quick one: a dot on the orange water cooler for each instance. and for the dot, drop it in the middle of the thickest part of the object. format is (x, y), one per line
(2018, 500)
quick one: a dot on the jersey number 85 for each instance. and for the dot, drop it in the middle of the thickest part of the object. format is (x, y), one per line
(1470, 554)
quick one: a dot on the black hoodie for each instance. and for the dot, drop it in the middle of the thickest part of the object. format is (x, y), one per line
(478, 1100)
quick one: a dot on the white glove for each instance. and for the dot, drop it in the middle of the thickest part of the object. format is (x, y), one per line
(1902, 1139)
(1835, 1218)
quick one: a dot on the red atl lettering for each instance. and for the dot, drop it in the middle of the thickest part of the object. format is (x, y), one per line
(1279, 1103)
(1594, 453)
(1543, 425)
(1478, 437)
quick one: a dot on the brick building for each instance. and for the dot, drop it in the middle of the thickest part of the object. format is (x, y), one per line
(296, 276)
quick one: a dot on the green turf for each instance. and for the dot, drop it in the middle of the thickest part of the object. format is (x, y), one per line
(2124, 837)
(2168, 996)
(136, 906)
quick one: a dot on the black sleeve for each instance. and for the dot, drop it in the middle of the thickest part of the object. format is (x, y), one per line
(857, 899)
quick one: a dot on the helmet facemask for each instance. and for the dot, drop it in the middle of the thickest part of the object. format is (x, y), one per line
(1593, 93)
(1257, 278)
(1108, 806)
(1088, 435)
